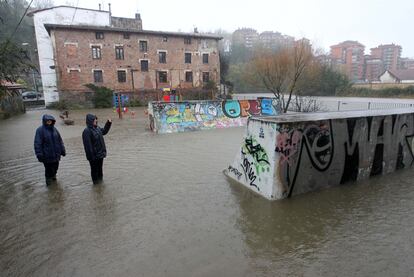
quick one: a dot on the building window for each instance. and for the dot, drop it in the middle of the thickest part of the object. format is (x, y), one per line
(187, 57)
(121, 76)
(99, 35)
(96, 52)
(187, 40)
(119, 52)
(97, 76)
(206, 77)
(162, 76)
(143, 46)
(205, 58)
(126, 35)
(162, 56)
(164, 39)
(188, 76)
(144, 65)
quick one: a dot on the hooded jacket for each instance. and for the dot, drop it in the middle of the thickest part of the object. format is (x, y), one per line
(48, 144)
(93, 140)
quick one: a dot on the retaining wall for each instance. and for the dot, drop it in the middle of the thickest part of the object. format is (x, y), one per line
(286, 155)
(170, 117)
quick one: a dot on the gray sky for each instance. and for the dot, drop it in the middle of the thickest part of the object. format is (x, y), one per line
(324, 22)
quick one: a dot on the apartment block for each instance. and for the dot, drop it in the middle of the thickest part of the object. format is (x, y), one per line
(348, 57)
(390, 54)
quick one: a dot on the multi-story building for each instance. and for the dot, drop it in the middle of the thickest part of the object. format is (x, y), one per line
(80, 46)
(390, 54)
(373, 68)
(247, 37)
(407, 63)
(129, 60)
(348, 56)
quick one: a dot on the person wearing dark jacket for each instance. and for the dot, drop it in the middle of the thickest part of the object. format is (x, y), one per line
(94, 145)
(48, 146)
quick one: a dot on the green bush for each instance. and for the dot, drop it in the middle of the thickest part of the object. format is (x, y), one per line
(134, 103)
(60, 105)
(102, 96)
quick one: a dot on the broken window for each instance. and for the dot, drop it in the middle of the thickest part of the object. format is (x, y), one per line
(162, 56)
(119, 52)
(164, 39)
(187, 57)
(188, 76)
(144, 65)
(143, 46)
(162, 76)
(97, 76)
(96, 52)
(121, 76)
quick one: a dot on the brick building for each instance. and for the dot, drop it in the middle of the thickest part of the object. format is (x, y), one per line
(390, 54)
(348, 56)
(128, 60)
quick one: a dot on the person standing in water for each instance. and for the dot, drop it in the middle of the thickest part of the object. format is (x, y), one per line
(94, 145)
(48, 146)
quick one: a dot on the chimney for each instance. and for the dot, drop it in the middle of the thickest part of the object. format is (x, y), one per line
(99, 6)
(138, 16)
(109, 5)
(195, 30)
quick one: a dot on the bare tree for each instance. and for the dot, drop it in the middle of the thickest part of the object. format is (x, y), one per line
(280, 72)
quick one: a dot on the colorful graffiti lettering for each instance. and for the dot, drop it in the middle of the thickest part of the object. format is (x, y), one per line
(188, 116)
(253, 148)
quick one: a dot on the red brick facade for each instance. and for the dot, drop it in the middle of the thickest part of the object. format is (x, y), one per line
(82, 56)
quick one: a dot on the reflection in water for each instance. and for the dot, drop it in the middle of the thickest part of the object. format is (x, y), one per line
(166, 209)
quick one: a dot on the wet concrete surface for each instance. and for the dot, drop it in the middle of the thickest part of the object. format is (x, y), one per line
(166, 209)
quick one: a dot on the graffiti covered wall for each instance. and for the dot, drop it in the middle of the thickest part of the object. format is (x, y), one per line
(309, 152)
(171, 117)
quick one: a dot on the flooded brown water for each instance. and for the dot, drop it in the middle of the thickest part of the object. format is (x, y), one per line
(166, 209)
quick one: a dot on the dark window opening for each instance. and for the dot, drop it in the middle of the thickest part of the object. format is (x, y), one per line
(144, 65)
(206, 77)
(96, 52)
(143, 46)
(126, 35)
(119, 52)
(205, 58)
(99, 35)
(189, 76)
(187, 57)
(187, 40)
(164, 39)
(97, 76)
(162, 76)
(121, 76)
(162, 57)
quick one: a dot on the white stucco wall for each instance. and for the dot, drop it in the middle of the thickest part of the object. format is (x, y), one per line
(63, 16)
(387, 78)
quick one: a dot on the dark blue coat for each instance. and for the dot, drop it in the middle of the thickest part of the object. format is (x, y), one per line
(93, 140)
(48, 143)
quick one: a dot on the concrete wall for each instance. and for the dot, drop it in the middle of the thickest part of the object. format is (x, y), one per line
(59, 15)
(171, 117)
(292, 154)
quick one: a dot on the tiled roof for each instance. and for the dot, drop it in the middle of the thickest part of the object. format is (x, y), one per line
(403, 74)
(135, 31)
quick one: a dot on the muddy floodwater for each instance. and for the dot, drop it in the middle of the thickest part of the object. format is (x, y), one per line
(166, 209)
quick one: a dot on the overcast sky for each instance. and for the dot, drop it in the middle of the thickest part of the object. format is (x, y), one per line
(324, 22)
